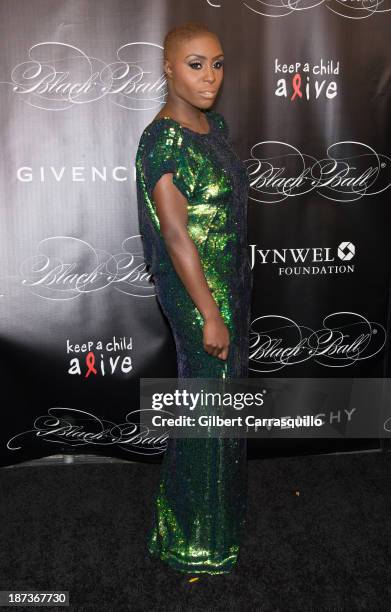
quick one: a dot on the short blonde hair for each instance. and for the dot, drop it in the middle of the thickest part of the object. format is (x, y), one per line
(186, 31)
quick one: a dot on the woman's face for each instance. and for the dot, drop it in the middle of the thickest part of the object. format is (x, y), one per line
(195, 70)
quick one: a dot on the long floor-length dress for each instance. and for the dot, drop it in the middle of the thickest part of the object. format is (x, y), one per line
(200, 507)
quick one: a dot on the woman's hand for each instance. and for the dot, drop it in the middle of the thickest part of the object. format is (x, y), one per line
(216, 337)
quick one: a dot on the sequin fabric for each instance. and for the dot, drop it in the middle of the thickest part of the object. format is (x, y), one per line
(200, 507)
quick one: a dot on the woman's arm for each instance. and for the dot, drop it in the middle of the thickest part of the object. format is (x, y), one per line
(171, 208)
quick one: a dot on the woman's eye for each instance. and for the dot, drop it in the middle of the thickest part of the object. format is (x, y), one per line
(192, 64)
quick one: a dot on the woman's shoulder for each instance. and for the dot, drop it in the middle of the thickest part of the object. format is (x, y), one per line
(166, 127)
(163, 136)
(162, 127)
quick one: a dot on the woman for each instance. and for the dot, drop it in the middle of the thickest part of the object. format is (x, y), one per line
(192, 198)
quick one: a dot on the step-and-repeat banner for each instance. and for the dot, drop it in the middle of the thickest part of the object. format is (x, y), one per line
(306, 95)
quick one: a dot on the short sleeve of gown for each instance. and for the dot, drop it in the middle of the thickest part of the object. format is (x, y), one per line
(168, 150)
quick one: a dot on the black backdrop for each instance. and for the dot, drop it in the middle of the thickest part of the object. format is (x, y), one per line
(306, 95)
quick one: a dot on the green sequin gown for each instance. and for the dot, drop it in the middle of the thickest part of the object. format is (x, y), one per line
(200, 505)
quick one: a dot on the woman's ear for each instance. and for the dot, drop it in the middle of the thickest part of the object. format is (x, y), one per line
(167, 68)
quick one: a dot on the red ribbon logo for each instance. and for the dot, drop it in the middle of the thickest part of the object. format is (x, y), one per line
(90, 361)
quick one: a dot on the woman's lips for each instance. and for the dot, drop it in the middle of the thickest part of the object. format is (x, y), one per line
(208, 94)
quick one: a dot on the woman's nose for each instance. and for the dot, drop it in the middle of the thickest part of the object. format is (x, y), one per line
(209, 75)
